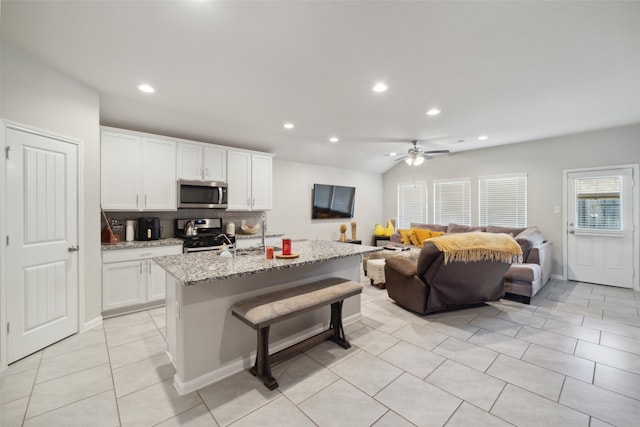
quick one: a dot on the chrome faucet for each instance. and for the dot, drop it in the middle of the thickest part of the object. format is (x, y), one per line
(231, 245)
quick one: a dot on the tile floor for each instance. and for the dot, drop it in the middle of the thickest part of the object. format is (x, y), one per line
(571, 358)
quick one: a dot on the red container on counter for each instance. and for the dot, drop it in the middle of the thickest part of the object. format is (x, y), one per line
(286, 246)
(269, 252)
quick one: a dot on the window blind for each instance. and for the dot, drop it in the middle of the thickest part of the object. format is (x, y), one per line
(503, 200)
(452, 201)
(598, 203)
(412, 203)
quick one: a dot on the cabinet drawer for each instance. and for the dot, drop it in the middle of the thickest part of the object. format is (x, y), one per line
(119, 255)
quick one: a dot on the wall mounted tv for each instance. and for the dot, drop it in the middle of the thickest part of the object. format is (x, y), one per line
(332, 201)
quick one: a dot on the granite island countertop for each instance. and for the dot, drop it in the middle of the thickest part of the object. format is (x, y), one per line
(200, 267)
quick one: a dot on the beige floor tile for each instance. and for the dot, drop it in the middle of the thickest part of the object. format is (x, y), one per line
(617, 380)
(96, 411)
(68, 389)
(137, 350)
(12, 413)
(614, 307)
(468, 354)
(470, 385)
(127, 320)
(621, 318)
(523, 318)
(421, 336)
(369, 373)
(328, 354)
(140, 331)
(460, 330)
(609, 356)
(372, 340)
(413, 359)
(90, 338)
(547, 339)
(620, 342)
(468, 415)
(155, 404)
(236, 396)
(619, 301)
(612, 326)
(494, 324)
(560, 362)
(68, 363)
(526, 409)
(403, 397)
(194, 417)
(563, 316)
(603, 404)
(570, 308)
(342, 404)
(573, 331)
(302, 377)
(614, 291)
(141, 374)
(382, 321)
(528, 376)
(500, 343)
(17, 385)
(24, 364)
(391, 419)
(278, 413)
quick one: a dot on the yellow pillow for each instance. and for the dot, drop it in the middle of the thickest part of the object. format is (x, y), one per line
(414, 238)
(421, 235)
(405, 235)
(389, 230)
(437, 233)
(378, 230)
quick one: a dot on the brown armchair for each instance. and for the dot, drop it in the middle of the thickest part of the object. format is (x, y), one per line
(430, 285)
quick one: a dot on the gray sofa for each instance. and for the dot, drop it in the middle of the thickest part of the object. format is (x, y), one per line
(521, 281)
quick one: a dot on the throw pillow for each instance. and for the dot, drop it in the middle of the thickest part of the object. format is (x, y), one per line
(422, 235)
(405, 235)
(378, 230)
(414, 238)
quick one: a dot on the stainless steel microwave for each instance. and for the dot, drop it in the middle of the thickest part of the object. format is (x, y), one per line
(202, 194)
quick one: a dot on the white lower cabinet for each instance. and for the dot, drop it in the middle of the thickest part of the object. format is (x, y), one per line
(131, 277)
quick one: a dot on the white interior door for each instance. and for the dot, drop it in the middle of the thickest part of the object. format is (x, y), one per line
(600, 227)
(42, 227)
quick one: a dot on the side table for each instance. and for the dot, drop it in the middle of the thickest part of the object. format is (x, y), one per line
(381, 240)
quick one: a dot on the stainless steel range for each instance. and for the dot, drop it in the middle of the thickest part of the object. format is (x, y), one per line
(202, 234)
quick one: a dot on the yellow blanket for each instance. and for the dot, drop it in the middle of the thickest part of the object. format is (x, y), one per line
(478, 246)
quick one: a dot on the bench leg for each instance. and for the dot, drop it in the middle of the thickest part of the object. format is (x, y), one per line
(262, 367)
(336, 324)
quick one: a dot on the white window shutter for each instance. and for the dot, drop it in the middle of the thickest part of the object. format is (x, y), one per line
(503, 200)
(452, 201)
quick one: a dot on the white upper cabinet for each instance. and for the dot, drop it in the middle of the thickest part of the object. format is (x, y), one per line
(201, 162)
(250, 180)
(137, 172)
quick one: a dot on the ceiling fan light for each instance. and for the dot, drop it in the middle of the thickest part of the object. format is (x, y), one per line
(418, 161)
(409, 160)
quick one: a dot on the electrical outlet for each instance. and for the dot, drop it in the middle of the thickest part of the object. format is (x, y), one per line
(556, 209)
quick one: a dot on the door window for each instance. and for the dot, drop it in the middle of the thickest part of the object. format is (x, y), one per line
(598, 203)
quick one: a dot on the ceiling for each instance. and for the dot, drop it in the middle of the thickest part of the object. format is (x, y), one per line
(233, 72)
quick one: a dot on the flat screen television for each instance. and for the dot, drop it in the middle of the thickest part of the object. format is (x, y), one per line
(332, 201)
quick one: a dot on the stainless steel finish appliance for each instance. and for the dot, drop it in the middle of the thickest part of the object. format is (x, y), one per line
(202, 234)
(202, 194)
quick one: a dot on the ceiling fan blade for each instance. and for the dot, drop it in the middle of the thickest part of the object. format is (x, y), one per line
(437, 151)
(401, 158)
(427, 157)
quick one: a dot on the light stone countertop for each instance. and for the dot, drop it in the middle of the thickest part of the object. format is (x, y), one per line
(199, 267)
(258, 235)
(171, 241)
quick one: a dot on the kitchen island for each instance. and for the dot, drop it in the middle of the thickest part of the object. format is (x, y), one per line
(206, 342)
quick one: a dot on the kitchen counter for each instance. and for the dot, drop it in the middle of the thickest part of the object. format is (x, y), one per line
(171, 241)
(258, 235)
(200, 267)
(206, 343)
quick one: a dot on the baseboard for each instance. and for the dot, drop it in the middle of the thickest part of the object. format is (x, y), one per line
(91, 324)
(246, 362)
(557, 277)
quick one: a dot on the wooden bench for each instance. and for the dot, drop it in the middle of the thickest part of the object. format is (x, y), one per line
(263, 311)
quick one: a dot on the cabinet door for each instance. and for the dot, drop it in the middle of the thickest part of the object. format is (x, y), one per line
(120, 171)
(261, 182)
(159, 175)
(122, 284)
(156, 281)
(215, 164)
(239, 180)
(189, 161)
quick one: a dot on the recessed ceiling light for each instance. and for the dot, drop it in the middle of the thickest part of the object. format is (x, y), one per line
(288, 126)
(433, 112)
(146, 88)
(483, 137)
(380, 87)
(333, 139)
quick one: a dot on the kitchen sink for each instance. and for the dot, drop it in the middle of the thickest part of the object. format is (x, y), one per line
(253, 251)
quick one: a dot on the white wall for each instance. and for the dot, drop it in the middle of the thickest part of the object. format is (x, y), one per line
(35, 95)
(543, 161)
(291, 213)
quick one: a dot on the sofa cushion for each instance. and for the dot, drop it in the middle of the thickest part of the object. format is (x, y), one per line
(513, 231)
(523, 272)
(432, 227)
(529, 238)
(459, 228)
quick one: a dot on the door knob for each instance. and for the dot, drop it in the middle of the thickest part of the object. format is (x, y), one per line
(572, 231)
(73, 249)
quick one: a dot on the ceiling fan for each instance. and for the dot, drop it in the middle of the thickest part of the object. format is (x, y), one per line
(416, 155)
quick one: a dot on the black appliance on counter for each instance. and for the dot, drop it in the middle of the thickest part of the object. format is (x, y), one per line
(208, 235)
(148, 229)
